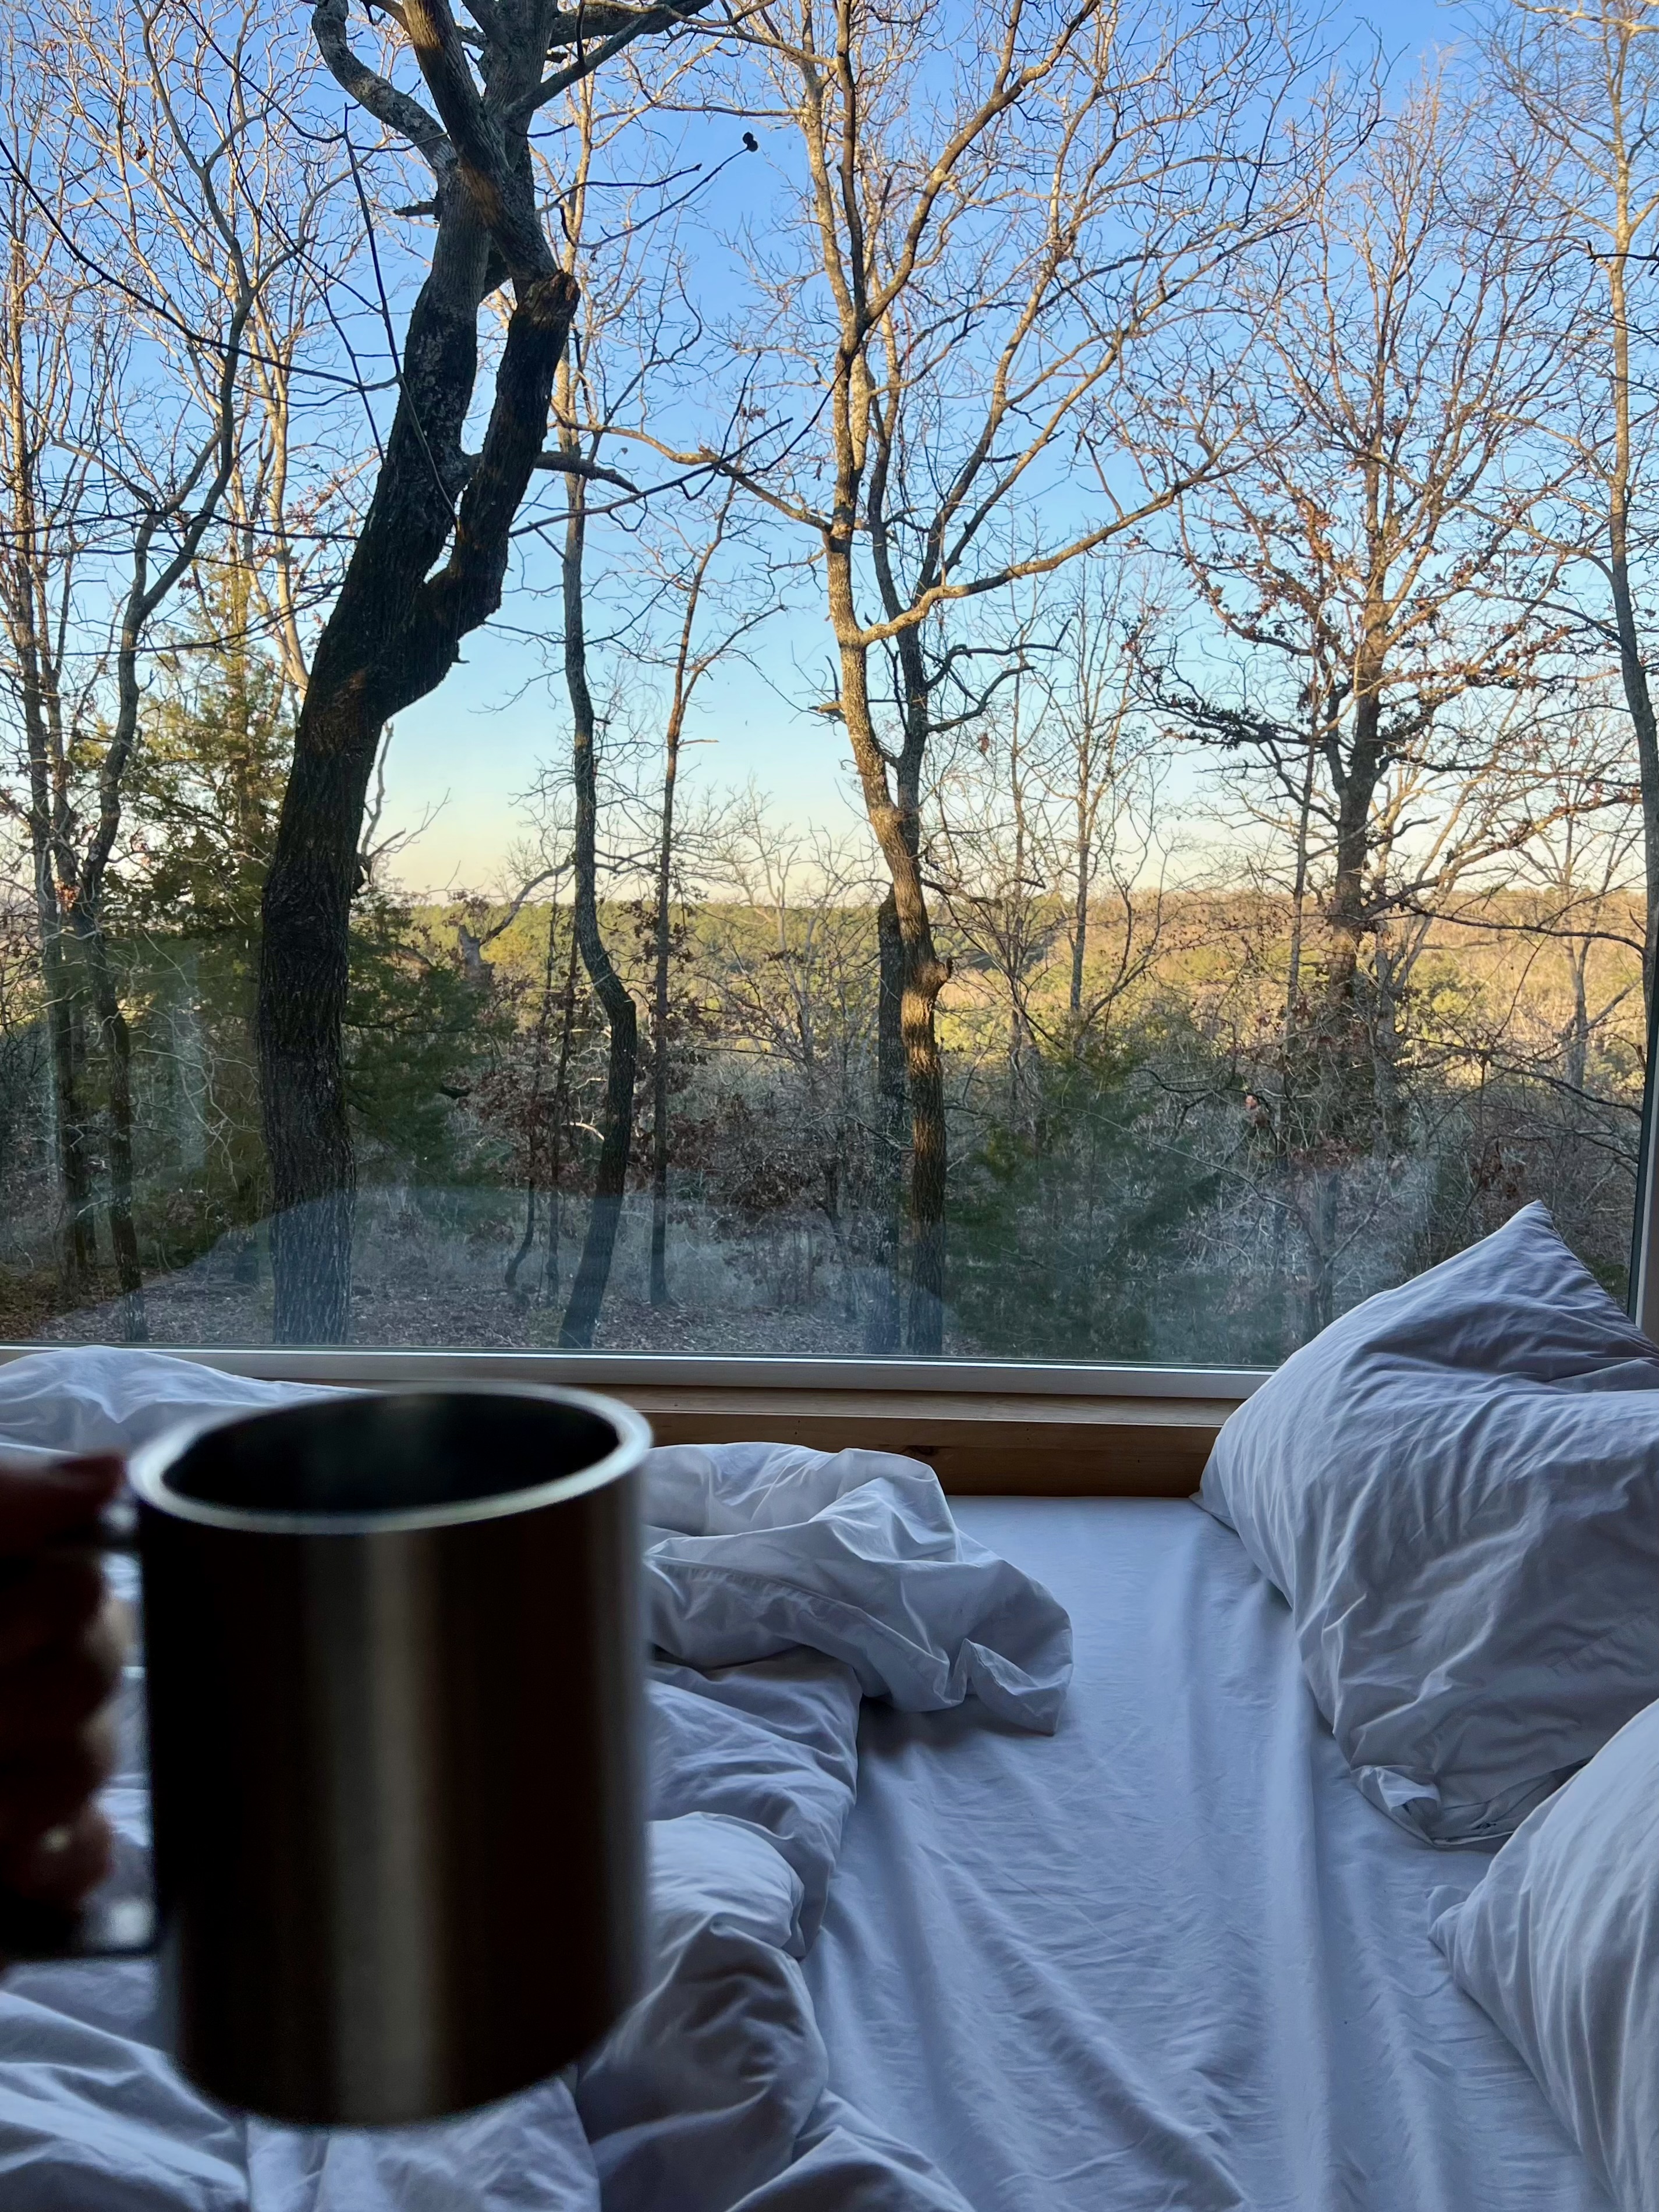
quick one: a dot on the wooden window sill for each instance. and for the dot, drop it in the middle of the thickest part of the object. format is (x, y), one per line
(980, 1441)
(1002, 1446)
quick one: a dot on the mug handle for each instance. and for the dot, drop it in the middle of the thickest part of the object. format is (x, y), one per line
(100, 1927)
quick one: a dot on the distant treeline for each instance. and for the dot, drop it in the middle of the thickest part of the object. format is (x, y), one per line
(1186, 1174)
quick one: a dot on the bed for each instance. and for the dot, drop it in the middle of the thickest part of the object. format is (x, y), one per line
(1168, 1960)
(1166, 1957)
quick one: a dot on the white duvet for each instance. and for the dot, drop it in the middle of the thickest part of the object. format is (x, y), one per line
(782, 1586)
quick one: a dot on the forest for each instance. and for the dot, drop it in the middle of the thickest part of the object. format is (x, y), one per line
(1182, 470)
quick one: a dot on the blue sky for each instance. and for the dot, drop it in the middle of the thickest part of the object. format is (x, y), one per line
(461, 755)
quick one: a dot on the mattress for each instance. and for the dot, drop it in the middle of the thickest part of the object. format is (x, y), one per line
(1169, 1958)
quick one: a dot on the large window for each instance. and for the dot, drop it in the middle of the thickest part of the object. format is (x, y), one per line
(1065, 768)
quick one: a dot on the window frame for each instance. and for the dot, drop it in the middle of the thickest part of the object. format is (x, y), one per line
(1644, 1229)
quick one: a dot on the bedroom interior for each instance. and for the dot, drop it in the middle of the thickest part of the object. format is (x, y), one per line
(1290, 1850)
(828, 1201)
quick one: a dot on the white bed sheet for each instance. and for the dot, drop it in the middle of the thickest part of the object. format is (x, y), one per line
(1168, 1960)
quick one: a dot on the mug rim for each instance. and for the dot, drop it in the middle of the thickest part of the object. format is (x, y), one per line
(148, 1466)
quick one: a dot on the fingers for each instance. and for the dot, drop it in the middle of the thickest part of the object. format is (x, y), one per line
(62, 1642)
(42, 1500)
(47, 1600)
(62, 1865)
(44, 1790)
(46, 1698)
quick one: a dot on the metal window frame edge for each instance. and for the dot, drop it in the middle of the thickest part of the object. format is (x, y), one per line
(1644, 1243)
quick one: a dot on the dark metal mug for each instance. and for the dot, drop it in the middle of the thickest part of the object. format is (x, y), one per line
(394, 1682)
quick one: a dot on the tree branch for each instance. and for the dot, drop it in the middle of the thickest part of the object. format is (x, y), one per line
(629, 23)
(467, 589)
(577, 464)
(374, 95)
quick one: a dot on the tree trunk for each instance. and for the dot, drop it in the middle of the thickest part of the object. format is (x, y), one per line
(896, 823)
(1345, 910)
(394, 632)
(1080, 909)
(1289, 1037)
(664, 951)
(617, 1117)
(1385, 1050)
(1345, 1038)
(1578, 1027)
(115, 1040)
(76, 1244)
(1298, 909)
(1323, 1290)
(304, 961)
(561, 1116)
(76, 1250)
(1012, 935)
(527, 1241)
(22, 596)
(884, 1332)
(925, 1321)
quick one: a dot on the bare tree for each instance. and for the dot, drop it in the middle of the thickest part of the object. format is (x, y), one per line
(1585, 80)
(1373, 549)
(1046, 821)
(430, 560)
(622, 1016)
(583, 414)
(179, 186)
(1103, 766)
(58, 358)
(787, 947)
(1044, 849)
(694, 590)
(984, 858)
(983, 266)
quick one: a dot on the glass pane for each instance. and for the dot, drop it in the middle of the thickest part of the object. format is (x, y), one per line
(1101, 807)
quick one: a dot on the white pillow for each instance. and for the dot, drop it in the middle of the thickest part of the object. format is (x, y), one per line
(1456, 1487)
(1560, 1945)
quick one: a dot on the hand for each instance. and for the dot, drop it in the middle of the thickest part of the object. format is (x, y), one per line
(61, 1647)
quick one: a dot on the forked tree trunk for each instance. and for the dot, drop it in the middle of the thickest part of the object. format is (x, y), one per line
(396, 628)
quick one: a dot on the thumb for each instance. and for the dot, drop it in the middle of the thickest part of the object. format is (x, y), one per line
(41, 1499)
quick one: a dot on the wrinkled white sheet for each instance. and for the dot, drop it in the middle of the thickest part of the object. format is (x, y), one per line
(781, 1585)
(1170, 1961)
(756, 1547)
